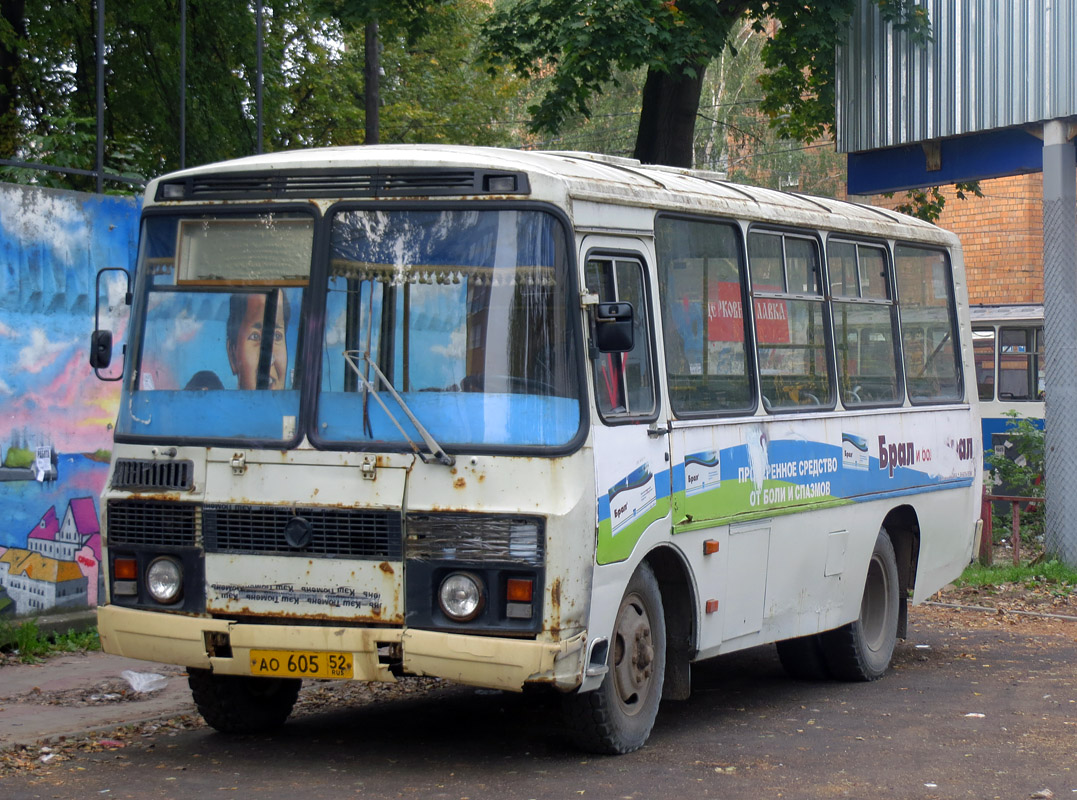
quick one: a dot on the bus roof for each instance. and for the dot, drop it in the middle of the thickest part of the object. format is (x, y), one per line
(560, 176)
(1006, 313)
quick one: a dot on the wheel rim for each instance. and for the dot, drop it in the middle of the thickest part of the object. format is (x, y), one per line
(633, 655)
(875, 610)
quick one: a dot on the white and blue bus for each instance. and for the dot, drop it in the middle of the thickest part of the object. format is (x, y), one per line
(523, 419)
(1008, 347)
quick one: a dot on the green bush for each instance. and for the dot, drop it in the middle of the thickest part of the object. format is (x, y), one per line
(31, 644)
(1020, 476)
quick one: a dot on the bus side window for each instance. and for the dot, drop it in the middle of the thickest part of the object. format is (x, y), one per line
(928, 325)
(864, 324)
(701, 286)
(790, 321)
(1018, 363)
(624, 382)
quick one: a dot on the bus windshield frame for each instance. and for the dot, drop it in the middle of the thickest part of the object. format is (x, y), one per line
(204, 294)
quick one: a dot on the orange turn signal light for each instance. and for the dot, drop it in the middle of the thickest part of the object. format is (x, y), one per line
(519, 590)
(125, 569)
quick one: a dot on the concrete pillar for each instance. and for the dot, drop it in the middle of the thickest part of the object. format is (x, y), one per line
(1060, 337)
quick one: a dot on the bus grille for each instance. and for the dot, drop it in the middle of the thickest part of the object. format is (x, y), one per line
(134, 473)
(476, 538)
(345, 533)
(139, 522)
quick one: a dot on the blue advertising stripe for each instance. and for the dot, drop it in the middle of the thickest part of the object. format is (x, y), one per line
(958, 483)
(661, 492)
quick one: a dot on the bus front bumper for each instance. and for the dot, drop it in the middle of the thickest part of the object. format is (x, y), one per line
(225, 646)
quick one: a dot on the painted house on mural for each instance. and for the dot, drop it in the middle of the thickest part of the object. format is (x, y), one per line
(55, 568)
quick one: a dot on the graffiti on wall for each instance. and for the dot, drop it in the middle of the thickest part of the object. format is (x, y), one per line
(56, 418)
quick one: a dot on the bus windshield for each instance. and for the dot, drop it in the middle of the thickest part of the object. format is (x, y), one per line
(458, 317)
(216, 353)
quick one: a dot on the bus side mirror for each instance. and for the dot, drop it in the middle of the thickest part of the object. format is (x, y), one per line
(100, 349)
(614, 332)
(101, 338)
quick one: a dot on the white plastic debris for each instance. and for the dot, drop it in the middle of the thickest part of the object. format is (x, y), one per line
(976, 715)
(144, 681)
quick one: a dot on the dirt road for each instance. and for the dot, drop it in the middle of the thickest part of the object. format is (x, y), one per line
(977, 706)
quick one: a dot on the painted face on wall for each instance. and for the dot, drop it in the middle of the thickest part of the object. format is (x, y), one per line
(245, 342)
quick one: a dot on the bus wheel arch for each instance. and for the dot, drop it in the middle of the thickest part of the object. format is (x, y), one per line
(903, 527)
(617, 717)
(863, 649)
(679, 602)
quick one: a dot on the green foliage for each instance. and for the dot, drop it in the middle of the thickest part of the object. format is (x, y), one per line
(798, 86)
(927, 204)
(582, 48)
(1020, 476)
(31, 644)
(313, 90)
(433, 89)
(1052, 576)
(410, 18)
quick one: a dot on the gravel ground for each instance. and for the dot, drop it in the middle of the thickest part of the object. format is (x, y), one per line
(1035, 609)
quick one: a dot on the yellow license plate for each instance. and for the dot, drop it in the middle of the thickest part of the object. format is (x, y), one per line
(302, 664)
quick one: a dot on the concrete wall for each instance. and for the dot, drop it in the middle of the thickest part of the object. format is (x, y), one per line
(52, 243)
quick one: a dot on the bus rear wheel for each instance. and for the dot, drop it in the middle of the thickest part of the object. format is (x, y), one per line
(618, 716)
(861, 650)
(241, 704)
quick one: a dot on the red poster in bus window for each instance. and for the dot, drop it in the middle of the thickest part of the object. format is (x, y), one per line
(771, 320)
(725, 315)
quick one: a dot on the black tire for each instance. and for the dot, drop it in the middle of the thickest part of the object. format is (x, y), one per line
(802, 658)
(618, 716)
(861, 650)
(241, 704)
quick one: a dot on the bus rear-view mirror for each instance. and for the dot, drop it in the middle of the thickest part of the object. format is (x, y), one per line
(614, 332)
(100, 349)
(113, 298)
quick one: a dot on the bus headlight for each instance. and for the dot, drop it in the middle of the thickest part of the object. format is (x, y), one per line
(164, 580)
(461, 596)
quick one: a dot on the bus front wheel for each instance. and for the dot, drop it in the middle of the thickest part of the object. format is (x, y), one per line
(241, 704)
(861, 650)
(618, 716)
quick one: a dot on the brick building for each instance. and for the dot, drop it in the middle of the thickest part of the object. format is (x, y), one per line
(1002, 237)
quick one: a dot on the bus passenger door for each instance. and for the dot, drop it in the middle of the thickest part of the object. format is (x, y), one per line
(631, 455)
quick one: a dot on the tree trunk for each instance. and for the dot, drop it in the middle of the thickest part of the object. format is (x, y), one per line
(667, 122)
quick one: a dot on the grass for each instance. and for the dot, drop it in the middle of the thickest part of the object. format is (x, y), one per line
(1050, 576)
(30, 644)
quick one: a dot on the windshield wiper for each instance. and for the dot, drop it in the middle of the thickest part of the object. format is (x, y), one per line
(436, 453)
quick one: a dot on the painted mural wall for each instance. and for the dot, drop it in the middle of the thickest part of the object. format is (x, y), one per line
(56, 417)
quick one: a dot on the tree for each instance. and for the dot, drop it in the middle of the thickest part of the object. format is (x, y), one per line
(582, 44)
(313, 88)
